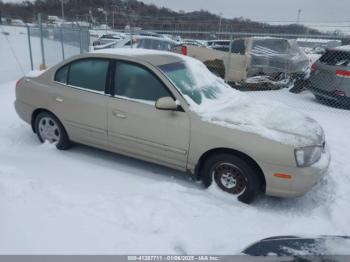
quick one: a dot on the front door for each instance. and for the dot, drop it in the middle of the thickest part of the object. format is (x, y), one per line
(137, 128)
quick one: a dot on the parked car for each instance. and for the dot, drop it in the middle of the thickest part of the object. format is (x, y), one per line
(221, 45)
(330, 77)
(192, 42)
(317, 46)
(109, 38)
(152, 105)
(145, 42)
(254, 62)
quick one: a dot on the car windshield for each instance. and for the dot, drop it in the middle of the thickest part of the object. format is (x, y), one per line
(194, 81)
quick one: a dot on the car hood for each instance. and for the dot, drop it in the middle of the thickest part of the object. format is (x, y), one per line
(268, 119)
(289, 246)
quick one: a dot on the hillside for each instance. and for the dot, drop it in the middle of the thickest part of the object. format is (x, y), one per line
(142, 15)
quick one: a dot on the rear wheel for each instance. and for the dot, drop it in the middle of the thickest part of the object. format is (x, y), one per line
(49, 128)
(232, 175)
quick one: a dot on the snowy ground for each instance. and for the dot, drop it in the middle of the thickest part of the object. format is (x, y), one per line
(87, 201)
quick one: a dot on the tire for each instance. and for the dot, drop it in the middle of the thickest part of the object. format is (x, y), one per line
(232, 175)
(49, 128)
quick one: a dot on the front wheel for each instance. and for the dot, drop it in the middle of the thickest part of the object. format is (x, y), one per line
(232, 175)
(49, 128)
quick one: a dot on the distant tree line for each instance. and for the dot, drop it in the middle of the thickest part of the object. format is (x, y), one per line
(138, 14)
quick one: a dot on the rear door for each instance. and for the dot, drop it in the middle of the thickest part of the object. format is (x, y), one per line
(80, 101)
(136, 127)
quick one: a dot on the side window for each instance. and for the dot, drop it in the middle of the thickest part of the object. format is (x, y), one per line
(238, 47)
(89, 74)
(145, 43)
(62, 74)
(157, 45)
(136, 82)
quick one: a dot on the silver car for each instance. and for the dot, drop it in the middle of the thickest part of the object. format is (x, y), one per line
(330, 77)
(151, 105)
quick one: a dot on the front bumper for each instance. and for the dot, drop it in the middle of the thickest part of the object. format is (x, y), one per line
(301, 179)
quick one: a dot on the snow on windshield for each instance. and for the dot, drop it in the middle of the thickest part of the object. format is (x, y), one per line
(230, 108)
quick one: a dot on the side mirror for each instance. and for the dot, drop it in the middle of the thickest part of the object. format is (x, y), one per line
(166, 103)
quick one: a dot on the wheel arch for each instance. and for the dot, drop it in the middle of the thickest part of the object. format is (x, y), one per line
(237, 153)
(36, 112)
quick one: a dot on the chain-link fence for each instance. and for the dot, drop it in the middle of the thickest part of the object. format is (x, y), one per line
(57, 43)
(247, 60)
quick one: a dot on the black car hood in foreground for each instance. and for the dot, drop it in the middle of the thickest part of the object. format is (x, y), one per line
(303, 247)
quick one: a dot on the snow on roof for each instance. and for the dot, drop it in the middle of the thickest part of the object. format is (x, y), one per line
(134, 52)
(312, 40)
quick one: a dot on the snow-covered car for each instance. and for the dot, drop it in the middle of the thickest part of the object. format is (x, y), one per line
(255, 62)
(109, 38)
(171, 110)
(317, 46)
(145, 42)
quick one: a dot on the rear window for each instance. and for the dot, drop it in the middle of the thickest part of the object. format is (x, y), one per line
(336, 58)
(61, 75)
(90, 73)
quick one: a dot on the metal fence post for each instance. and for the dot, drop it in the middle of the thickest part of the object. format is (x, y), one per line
(88, 40)
(30, 48)
(81, 41)
(131, 37)
(228, 63)
(43, 63)
(62, 43)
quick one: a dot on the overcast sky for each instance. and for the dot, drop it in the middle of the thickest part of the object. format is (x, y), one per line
(265, 10)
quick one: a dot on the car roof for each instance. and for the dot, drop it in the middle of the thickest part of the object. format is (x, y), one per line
(154, 57)
(345, 48)
(136, 36)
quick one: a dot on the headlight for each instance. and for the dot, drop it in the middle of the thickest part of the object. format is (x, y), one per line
(307, 156)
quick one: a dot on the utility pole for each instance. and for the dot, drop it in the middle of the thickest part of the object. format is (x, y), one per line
(113, 19)
(298, 17)
(220, 21)
(62, 9)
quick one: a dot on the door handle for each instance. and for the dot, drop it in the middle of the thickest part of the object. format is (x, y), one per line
(59, 100)
(119, 114)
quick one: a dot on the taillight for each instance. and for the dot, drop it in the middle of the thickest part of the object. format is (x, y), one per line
(184, 50)
(339, 93)
(314, 67)
(18, 82)
(343, 73)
